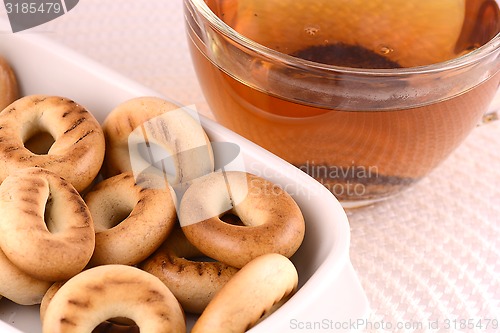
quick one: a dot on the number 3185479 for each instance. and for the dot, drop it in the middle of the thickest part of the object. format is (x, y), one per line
(461, 324)
(33, 7)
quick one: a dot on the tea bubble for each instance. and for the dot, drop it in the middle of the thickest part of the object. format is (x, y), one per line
(385, 50)
(312, 30)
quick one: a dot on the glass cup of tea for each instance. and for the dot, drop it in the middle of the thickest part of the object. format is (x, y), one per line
(367, 97)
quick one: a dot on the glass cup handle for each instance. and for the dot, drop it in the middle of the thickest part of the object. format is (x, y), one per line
(493, 112)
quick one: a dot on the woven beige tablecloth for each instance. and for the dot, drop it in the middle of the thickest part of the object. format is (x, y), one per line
(430, 254)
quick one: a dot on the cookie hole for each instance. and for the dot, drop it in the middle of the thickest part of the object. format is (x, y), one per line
(48, 215)
(231, 218)
(120, 324)
(40, 142)
(115, 213)
(201, 258)
(118, 216)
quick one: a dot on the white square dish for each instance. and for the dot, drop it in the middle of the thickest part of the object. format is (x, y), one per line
(330, 297)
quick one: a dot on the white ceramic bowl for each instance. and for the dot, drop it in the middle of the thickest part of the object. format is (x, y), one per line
(330, 296)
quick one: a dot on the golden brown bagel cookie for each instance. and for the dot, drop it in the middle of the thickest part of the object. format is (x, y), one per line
(251, 294)
(78, 149)
(131, 219)
(18, 286)
(193, 283)
(146, 131)
(46, 229)
(110, 291)
(272, 221)
(123, 325)
(9, 90)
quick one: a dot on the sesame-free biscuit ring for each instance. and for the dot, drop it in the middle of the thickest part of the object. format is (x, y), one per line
(253, 293)
(18, 286)
(153, 135)
(46, 229)
(131, 218)
(78, 148)
(272, 221)
(194, 283)
(110, 291)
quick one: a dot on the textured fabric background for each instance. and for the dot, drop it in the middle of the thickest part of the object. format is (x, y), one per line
(430, 254)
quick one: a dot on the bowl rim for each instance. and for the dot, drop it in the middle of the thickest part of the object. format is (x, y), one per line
(217, 24)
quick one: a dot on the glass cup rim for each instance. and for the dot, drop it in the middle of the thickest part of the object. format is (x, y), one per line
(461, 61)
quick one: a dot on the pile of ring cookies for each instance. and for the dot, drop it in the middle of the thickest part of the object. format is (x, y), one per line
(109, 235)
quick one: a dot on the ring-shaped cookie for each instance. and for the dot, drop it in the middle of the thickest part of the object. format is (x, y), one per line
(272, 220)
(194, 283)
(46, 229)
(131, 219)
(149, 134)
(116, 325)
(18, 286)
(111, 291)
(78, 149)
(251, 294)
(9, 90)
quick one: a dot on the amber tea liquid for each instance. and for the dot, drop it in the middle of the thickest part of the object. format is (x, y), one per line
(357, 154)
